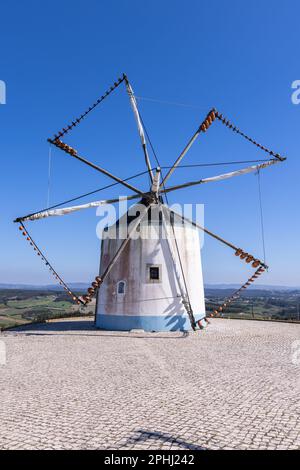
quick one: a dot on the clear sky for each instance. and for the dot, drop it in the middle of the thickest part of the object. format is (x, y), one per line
(241, 57)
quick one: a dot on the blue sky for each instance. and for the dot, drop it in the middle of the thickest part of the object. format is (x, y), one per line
(241, 57)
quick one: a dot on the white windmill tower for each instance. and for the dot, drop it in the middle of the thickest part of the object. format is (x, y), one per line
(151, 277)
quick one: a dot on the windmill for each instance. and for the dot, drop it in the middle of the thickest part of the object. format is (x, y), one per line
(150, 283)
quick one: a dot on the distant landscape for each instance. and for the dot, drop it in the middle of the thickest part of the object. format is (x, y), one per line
(21, 306)
(25, 304)
(259, 303)
(82, 286)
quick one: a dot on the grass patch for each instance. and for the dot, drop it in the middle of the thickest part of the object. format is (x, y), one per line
(19, 307)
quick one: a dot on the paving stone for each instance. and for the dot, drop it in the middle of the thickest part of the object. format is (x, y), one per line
(233, 385)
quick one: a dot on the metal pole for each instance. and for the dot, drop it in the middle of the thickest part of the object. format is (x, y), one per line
(184, 151)
(156, 180)
(123, 245)
(184, 290)
(205, 230)
(195, 224)
(102, 170)
(139, 125)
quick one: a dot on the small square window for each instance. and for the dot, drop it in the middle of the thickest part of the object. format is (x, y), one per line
(154, 273)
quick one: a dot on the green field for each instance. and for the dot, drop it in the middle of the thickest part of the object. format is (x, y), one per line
(18, 307)
(257, 304)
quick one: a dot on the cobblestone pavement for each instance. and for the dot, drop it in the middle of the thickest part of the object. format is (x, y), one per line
(234, 385)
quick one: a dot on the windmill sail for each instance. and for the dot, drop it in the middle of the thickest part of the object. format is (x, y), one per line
(69, 210)
(224, 176)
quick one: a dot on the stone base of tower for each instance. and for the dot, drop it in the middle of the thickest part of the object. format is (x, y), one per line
(145, 322)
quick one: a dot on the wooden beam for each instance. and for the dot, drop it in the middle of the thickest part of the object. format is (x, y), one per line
(208, 232)
(184, 151)
(100, 169)
(139, 125)
(123, 245)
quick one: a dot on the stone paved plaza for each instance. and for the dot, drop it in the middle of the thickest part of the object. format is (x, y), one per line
(235, 385)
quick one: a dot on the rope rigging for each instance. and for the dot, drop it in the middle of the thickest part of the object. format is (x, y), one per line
(153, 196)
(72, 152)
(77, 120)
(49, 175)
(247, 257)
(172, 103)
(19, 219)
(196, 165)
(261, 215)
(238, 292)
(231, 126)
(153, 299)
(39, 252)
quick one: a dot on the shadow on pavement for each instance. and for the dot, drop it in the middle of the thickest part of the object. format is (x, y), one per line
(142, 435)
